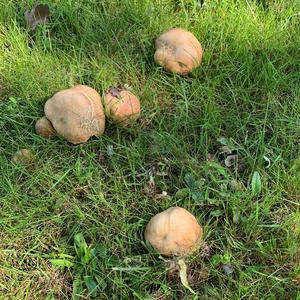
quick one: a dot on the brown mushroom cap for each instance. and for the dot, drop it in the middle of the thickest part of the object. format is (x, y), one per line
(76, 113)
(174, 231)
(178, 51)
(122, 106)
(22, 156)
(44, 128)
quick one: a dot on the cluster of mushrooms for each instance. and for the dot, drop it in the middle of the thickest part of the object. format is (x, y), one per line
(78, 113)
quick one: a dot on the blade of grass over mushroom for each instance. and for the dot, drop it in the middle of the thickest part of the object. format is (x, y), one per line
(245, 90)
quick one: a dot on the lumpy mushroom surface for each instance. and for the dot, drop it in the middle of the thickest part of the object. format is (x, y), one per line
(122, 106)
(174, 231)
(178, 51)
(76, 113)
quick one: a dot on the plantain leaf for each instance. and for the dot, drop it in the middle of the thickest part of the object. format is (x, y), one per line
(190, 181)
(91, 285)
(197, 196)
(61, 263)
(101, 282)
(256, 184)
(77, 288)
(223, 140)
(82, 249)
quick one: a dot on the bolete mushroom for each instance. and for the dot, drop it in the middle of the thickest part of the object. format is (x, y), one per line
(75, 113)
(121, 106)
(178, 51)
(22, 156)
(44, 128)
(174, 231)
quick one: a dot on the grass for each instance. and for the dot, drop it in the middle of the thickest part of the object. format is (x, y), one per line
(246, 91)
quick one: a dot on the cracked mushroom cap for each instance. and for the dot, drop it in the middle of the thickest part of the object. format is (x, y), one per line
(178, 51)
(122, 106)
(174, 231)
(44, 128)
(76, 113)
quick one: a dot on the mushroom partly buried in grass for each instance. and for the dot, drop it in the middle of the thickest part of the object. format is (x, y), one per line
(174, 232)
(121, 106)
(44, 128)
(178, 51)
(23, 157)
(75, 114)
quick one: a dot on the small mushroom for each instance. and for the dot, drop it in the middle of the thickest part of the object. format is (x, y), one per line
(178, 51)
(174, 231)
(44, 128)
(121, 106)
(76, 113)
(22, 156)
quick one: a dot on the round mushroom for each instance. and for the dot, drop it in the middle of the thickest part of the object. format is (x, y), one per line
(121, 106)
(174, 231)
(76, 113)
(44, 128)
(22, 156)
(178, 51)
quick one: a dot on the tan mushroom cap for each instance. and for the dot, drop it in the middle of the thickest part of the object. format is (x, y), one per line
(178, 51)
(44, 128)
(76, 113)
(122, 106)
(22, 156)
(174, 231)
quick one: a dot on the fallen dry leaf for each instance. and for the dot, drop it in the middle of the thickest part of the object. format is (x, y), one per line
(115, 92)
(210, 157)
(205, 250)
(162, 196)
(231, 160)
(38, 15)
(183, 275)
(236, 185)
(228, 269)
(225, 150)
(296, 280)
(150, 186)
